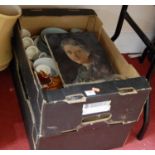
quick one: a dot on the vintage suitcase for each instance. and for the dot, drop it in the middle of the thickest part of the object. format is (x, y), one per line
(75, 116)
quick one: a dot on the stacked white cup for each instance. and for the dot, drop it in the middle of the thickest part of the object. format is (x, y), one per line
(40, 60)
(31, 50)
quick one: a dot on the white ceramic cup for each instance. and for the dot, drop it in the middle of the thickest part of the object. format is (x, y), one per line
(44, 68)
(27, 41)
(25, 33)
(43, 54)
(32, 52)
(50, 62)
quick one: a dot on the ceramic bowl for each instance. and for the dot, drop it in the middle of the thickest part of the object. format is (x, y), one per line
(25, 33)
(50, 62)
(43, 54)
(51, 30)
(32, 52)
(46, 69)
(27, 41)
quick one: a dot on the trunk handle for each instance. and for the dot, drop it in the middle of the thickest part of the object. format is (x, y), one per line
(96, 119)
(75, 98)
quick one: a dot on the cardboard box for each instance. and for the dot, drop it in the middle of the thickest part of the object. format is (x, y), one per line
(69, 118)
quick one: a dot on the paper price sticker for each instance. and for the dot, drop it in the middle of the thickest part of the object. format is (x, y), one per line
(97, 107)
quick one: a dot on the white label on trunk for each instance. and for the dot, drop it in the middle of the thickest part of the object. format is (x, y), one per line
(90, 92)
(97, 107)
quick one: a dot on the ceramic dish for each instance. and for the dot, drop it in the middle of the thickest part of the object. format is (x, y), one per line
(27, 41)
(32, 52)
(51, 30)
(48, 62)
(25, 33)
(46, 69)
